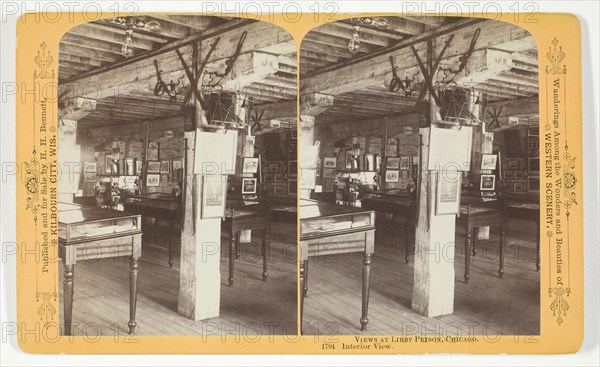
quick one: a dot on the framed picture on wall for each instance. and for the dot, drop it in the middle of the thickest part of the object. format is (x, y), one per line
(129, 166)
(267, 177)
(405, 163)
(487, 183)
(448, 193)
(176, 164)
(329, 162)
(108, 163)
(519, 186)
(508, 174)
(533, 165)
(292, 187)
(513, 164)
(369, 162)
(250, 165)
(139, 166)
(293, 168)
(518, 175)
(392, 163)
(279, 190)
(154, 167)
(214, 188)
(152, 180)
(277, 177)
(248, 186)
(392, 176)
(274, 167)
(533, 184)
(165, 166)
(488, 161)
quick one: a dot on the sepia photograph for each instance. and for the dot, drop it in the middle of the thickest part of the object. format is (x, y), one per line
(208, 91)
(452, 104)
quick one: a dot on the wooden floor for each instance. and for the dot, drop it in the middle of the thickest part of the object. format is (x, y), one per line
(252, 306)
(487, 305)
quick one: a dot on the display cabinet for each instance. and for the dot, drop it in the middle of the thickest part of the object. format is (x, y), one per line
(330, 229)
(89, 233)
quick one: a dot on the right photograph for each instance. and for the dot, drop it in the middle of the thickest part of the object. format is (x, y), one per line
(419, 178)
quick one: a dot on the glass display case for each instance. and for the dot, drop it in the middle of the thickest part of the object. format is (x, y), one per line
(324, 219)
(79, 224)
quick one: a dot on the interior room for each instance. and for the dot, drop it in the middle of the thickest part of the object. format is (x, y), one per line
(178, 216)
(419, 178)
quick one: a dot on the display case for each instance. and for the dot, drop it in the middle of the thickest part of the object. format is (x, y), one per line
(319, 219)
(84, 224)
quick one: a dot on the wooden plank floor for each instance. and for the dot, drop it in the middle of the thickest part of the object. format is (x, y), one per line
(487, 305)
(252, 306)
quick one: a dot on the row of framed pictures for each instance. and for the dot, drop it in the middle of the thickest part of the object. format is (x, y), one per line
(275, 167)
(164, 166)
(281, 189)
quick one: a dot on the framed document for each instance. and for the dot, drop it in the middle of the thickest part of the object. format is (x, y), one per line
(488, 161)
(214, 189)
(215, 152)
(154, 167)
(250, 165)
(139, 166)
(153, 180)
(392, 163)
(248, 186)
(329, 162)
(448, 192)
(392, 176)
(165, 166)
(405, 163)
(487, 183)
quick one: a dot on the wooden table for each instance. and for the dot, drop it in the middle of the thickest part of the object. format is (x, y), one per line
(159, 209)
(477, 212)
(330, 229)
(88, 233)
(527, 211)
(246, 215)
(396, 204)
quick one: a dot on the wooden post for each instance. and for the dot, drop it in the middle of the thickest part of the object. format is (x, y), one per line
(433, 289)
(200, 276)
(305, 139)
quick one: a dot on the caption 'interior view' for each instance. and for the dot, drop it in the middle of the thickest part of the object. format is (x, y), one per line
(402, 198)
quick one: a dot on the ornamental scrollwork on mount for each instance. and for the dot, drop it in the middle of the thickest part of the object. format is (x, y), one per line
(46, 311)
(569, 183)
(43, 60)
(32, 182)
(559, 305)
(555, 55)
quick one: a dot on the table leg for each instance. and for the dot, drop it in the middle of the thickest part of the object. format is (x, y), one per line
(501, 252)
(537, 244)
(468, 255)
(170, 244)
(237, 245)
(231, 257)
(302, 285)
(265, 253)
(155, 234)
(68, 294)
(474, 243)
(133, 283)
(366, 280)
(405, 240)
(306, 279)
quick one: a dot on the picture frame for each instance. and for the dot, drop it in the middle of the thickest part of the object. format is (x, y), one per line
(153, 180)
(533, 184)
(215, 153)
(153, 167)
(214, 190)
(329, 162)
(513, 164)
(508, 174)
(165, 166)
(392, 176)
(248, 186)
(139, 167)
(90, 171)
(176, 164)
(448, 186)
(274, 167)
(278, 190)
(489, 161)
(519, 186)
(518, 175)
(487, 183)
(405, 163)
(392, 163)
(250, 165)
(292, 187)
(293, 168)
(267, 177)
(277, 177)
(533, 165)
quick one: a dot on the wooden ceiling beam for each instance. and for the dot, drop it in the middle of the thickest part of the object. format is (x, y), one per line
(337, 42)
(337, 30)
(82, 60)
(199, 23)
(91, 30)
(308, 45)
(92, 44)
(169, 30)
(80, 51)
(374, 69)
(119, 31)
(328, 58)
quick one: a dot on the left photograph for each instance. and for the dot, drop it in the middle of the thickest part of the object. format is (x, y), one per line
(177, 195)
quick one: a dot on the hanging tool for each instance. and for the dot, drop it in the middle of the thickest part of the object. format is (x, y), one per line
(199, 71)
(229, 63)
(396, 83)
(428, 74)
(463, 58)
(160, 88)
